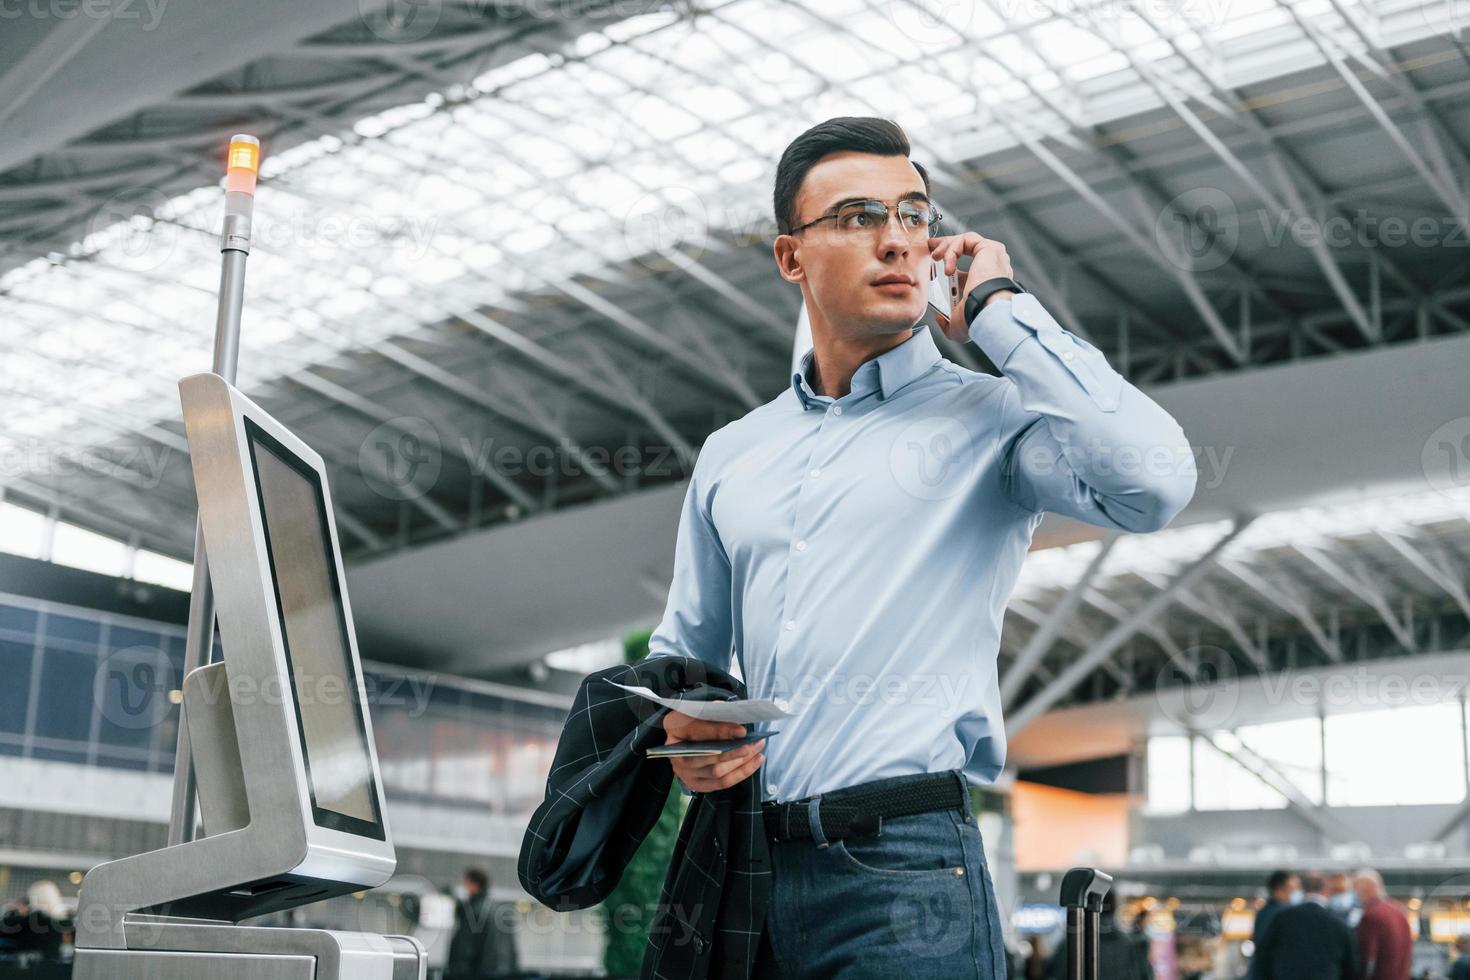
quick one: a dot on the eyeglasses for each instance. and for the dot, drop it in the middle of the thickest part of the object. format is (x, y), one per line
(863, 218)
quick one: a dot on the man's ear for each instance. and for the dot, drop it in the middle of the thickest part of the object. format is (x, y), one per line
(788, 258)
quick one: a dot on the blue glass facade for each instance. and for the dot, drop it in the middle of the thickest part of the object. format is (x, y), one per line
(97, 689)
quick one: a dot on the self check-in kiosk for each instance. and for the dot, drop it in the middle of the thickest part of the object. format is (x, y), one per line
(288, 781)
(278, 733)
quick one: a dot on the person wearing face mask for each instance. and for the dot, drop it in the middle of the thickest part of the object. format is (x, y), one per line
(1341, 901)
(479, 949)
(1304, 941)
(1283, 889)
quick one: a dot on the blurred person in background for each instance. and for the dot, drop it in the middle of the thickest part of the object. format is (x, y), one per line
(1139, 933)
(1306, 941)
(479, 949)
(1385, 945)
(14, 929)
(1283, 888)
(1341, 900)
(36, 923)
(1460, 969)
(1035, 959)
(1118, 956)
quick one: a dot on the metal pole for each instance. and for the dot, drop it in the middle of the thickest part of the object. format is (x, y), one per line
(244, 159)
(1076, 940)
(1093, 940)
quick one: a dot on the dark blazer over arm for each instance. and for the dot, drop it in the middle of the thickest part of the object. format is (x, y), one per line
(603, 797)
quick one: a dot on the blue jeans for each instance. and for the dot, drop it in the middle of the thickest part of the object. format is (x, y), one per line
(914, 903)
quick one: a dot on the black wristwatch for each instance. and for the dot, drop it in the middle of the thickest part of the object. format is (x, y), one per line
(976, 301)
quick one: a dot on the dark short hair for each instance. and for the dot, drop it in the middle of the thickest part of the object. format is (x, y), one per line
(1279, 879)
(1314, 882)
(863, 134)
(477, 878)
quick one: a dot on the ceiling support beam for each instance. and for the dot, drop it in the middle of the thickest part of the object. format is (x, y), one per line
(1078, 670)
(1034, 652)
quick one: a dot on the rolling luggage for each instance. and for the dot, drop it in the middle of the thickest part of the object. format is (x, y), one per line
(1082, 895)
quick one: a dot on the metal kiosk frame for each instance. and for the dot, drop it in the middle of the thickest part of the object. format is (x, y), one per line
(278, 732)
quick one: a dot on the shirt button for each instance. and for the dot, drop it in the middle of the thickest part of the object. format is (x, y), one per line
(790, 625)
(1067, 356)
(836, 409)
(772, 787)
(816, 472)
(801, 546)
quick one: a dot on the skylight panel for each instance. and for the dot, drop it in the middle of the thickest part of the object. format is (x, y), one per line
(23, 531)
(150, 566)
(80, 548)
(411, 190)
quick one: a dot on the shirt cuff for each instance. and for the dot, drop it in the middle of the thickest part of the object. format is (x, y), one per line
(996, 331)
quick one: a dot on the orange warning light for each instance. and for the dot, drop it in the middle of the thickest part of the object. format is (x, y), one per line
(243, 163)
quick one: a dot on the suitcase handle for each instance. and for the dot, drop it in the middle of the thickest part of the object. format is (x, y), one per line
(1082, 896)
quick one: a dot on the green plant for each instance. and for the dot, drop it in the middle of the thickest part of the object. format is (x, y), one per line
(627, 913)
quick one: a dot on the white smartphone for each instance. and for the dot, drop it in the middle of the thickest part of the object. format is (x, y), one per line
(943, 291)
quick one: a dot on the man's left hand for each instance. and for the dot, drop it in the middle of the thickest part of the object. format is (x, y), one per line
(989, 260)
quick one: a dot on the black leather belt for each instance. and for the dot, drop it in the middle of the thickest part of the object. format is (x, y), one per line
(858, 811)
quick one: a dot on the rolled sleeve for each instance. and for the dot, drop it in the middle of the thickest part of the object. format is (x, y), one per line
(1076, 437)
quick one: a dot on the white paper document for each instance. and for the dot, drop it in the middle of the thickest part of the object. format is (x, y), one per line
(739, 711)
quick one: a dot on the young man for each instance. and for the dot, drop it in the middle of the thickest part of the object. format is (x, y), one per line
(854, 542)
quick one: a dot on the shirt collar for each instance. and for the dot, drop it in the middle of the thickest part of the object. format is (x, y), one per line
(886, 373)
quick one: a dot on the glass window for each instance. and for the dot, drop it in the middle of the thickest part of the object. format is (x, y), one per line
(126, 637)
(1221, 783)
(64, 709)
(404, 748)
(15, 692)
(23, 531)
(165, 742)
(149, 566)
(130, 694)
(81, 548)
(1293, 749)
(72, 629)
(1400, 756)
(17, 620)
(176, 649)
(1168, 774)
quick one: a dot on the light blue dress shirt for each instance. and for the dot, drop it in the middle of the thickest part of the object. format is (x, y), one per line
(855, 554)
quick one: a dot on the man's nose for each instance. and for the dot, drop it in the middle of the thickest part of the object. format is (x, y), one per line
(894, 240)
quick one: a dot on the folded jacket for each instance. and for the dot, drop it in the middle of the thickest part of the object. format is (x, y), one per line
(602, 798)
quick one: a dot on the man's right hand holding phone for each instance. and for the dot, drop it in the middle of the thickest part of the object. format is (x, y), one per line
(706, 774)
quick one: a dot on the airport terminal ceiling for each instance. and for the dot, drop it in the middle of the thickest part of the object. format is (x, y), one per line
(454, 257)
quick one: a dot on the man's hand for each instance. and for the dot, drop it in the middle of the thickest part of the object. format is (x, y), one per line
(990, 260)
(707, 773)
